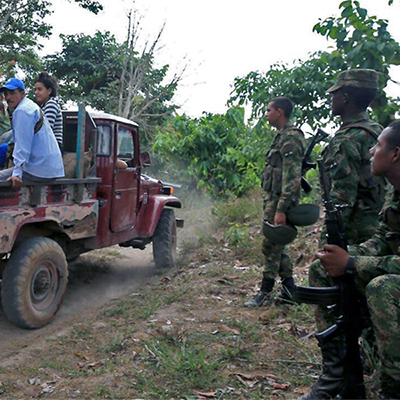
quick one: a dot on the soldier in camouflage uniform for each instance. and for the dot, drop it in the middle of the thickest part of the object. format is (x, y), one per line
(353, 187)
(375, 265)
(281, 183)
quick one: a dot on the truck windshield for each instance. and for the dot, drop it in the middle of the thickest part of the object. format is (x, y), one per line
(125, 149)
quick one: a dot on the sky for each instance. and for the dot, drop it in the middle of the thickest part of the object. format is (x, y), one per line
(217, 40)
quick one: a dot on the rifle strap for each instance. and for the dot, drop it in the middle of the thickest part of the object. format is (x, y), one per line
(39, 124)
(365, 127)
(10, 148)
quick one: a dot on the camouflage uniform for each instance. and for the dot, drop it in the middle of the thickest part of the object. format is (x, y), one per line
(362, 195)
(281, 183)
(377, 263)
(353, 186)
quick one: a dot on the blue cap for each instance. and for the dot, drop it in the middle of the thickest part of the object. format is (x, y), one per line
(13, 84)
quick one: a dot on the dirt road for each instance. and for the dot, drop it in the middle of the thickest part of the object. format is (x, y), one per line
(94, 279)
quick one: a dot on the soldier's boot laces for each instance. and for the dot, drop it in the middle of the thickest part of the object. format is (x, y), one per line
(331, 382)
(264, 295)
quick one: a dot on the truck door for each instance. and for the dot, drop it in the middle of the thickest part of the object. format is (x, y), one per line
(125, 184)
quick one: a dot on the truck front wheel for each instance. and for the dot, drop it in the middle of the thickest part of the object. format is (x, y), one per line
(34, 282)
(164, 240)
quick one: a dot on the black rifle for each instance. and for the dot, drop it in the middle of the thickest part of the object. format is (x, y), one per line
(307, 164)
(344, 296)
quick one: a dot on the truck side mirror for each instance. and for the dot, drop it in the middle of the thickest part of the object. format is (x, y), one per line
(145, 160)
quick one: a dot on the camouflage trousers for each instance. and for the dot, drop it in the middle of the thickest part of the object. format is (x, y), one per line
(378, 279)
(277, 261)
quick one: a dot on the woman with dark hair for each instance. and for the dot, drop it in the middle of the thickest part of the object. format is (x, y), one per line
(45, 93)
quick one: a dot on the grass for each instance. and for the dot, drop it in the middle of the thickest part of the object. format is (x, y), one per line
(188, 333)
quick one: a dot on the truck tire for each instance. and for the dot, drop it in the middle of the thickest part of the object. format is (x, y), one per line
(34, 283)
(164, 240)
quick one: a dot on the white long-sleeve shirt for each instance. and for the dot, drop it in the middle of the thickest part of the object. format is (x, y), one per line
(35, 153)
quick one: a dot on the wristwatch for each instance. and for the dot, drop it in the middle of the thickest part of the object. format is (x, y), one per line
(350, 267)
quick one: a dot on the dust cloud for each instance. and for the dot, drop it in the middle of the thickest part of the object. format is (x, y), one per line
(101, 276)
(95, 279)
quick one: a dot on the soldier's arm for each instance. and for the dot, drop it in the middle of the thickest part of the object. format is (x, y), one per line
(292, 157)
(344, 162)
(370, 267)
(376, 246)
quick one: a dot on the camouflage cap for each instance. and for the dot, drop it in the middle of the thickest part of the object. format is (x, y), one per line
(360, 78)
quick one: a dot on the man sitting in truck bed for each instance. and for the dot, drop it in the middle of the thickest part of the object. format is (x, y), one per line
(37, 157)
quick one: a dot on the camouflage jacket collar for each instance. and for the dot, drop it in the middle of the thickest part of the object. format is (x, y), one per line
(396, 199)
(289, 125)
(360, 118)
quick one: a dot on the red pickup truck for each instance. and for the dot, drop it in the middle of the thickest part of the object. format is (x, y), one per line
(96, 205)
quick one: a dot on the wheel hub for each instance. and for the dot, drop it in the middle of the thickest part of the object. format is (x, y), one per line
(41, 285)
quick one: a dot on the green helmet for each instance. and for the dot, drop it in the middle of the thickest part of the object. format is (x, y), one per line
(280, 234)
(303, 215)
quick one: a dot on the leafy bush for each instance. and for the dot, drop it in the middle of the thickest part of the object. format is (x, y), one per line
(217, 154)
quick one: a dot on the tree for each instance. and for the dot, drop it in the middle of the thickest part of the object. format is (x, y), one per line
(305, 83)
(22, 23)
(92, 6)
(364, 42)
(361, 42)
(218, 154)
(142, 94)
(116, 78)
(87, 65)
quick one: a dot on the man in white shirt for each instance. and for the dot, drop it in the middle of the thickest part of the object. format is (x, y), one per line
(37, 156)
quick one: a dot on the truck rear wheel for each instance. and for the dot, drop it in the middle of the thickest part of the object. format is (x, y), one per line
(34, 283)
(164, 240)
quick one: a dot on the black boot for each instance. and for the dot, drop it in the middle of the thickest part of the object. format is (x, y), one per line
(331, 382)
(263, 295)
(288, 288)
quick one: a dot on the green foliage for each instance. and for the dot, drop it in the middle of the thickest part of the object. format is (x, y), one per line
(361, 42)
(364, 42)
(220, 153)
(239, 210)
(190, 365)
(90, 69)
(93, 6)
(237, 234)
(305, 84)
(87, 66)
(22, 24)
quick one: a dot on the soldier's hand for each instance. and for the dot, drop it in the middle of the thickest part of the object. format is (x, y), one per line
(334, 259)
(280, 218)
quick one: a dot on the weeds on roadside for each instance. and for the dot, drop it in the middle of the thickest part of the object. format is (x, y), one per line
(188, 332)
(238, 235)
(240, 210)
